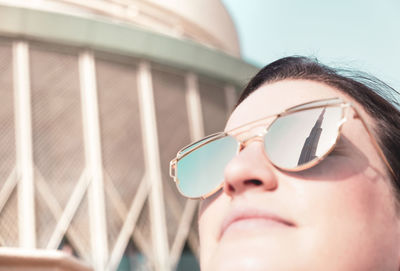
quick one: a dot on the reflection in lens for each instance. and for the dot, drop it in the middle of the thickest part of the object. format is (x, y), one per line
(309, 150)
(302, 137)
(202, 171)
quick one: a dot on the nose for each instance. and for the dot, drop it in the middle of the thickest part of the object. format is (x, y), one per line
(250, 170)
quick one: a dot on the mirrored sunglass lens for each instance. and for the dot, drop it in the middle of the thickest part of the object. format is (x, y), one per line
(302, 137)
(202, 171)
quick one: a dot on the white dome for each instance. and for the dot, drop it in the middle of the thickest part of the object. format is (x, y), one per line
(204, 21)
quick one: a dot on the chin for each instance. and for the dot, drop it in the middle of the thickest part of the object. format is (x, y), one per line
(237, 264)
(250, 255)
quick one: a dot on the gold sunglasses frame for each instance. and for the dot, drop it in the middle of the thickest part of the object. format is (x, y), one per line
(235, 132)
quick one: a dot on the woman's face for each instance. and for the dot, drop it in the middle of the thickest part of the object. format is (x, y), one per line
(338, 215)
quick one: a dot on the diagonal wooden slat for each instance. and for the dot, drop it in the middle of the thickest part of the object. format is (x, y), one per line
(56, 210)
(193, 242)
(129, 224)
(142, 244)
(8, 188)
(69, 211)
(115, 198)
(122, 211)
(183, 231)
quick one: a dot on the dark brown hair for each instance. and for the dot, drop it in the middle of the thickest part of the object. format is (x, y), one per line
(377, 98)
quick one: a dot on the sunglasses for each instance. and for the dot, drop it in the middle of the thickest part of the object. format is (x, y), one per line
(296, 139)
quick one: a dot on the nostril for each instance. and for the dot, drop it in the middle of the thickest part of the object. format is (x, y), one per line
(253, 182)
(231, 188)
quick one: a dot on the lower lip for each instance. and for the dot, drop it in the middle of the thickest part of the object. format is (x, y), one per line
(254, 224)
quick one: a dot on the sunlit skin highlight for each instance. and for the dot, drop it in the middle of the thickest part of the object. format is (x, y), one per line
(339, 215)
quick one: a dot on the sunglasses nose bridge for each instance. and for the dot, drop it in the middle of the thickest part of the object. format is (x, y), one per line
(256, 137)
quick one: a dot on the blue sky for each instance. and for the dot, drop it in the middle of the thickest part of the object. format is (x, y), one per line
(362, 34)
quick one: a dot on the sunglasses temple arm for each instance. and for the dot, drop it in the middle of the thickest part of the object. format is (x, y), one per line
(172, 168)
(374, 142)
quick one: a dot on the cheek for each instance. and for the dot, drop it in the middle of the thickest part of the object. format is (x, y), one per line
(354, 214)
(346, 190)
(359, 197)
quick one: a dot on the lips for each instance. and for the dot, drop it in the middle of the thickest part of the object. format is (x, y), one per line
(250, 217)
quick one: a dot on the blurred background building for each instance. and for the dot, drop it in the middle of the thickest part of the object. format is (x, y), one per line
(96, 97)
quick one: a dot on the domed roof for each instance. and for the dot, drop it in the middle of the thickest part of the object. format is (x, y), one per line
(203, 21)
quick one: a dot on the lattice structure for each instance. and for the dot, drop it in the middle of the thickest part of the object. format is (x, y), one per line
(92, 137)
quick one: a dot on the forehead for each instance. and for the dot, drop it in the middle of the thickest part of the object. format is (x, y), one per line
(270, 99)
